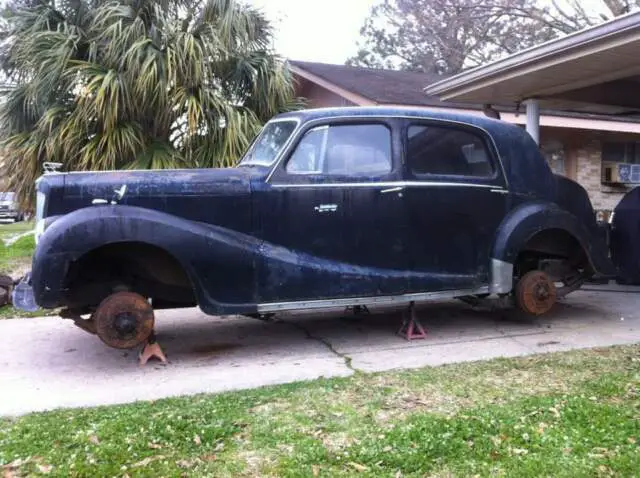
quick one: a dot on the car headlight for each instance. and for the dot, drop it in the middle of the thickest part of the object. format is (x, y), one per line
(40, 202)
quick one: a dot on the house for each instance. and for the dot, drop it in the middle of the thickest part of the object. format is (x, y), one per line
(577, 144)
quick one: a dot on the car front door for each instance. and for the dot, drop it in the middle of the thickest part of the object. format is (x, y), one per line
(457, 197)
(333, 206)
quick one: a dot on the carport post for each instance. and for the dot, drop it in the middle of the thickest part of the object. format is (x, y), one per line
(533, 119)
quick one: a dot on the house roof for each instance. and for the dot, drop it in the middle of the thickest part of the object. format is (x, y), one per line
(596, 69)
(407, 88)
(385, 87)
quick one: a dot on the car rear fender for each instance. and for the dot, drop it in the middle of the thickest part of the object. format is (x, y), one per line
(527, 220)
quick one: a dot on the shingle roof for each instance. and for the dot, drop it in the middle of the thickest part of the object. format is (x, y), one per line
(380, 86)
(394, 87)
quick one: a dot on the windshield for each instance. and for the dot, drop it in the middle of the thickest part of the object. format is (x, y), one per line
(269, 143)
(7, 196)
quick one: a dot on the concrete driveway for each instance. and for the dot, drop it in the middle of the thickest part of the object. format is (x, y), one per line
(48, 363)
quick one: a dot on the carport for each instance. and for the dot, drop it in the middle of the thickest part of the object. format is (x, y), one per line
(596, 70)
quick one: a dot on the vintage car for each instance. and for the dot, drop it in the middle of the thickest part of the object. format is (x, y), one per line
(328, 208)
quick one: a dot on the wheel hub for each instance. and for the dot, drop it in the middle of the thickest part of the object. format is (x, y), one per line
(124, 324)
(124, 320)
(535, 293)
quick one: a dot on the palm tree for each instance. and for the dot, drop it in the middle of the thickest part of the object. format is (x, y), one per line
(135, 84)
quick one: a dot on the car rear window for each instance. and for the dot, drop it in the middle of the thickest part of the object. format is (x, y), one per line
(447, 151)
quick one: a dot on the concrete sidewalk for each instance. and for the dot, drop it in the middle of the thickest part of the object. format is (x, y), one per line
(48, 363)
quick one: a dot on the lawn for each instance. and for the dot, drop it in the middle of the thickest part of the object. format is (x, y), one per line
(15, 259)
(8, 230)
(563, 415)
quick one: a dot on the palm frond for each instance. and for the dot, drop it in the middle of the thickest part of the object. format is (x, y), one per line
(99, 84)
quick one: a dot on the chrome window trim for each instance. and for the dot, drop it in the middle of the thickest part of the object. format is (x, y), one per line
(297, 120)
(391, 184)
(495, 172)
(374, 300)
(296, 132)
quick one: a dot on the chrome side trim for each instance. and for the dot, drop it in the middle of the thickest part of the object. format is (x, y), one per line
(380, 300)
(391, 184)
(501, 277)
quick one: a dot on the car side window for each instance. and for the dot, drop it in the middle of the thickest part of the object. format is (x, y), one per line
(437, 150)
(343, 150)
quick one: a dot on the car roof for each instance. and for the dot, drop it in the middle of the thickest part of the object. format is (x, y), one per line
(395, 111)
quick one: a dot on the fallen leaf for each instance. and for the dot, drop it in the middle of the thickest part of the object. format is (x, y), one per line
(7, 473)
(45, 469)
(185, 463)
(155, 446)
(148, 461)
(631, 440)
(542, 427)
(358, 466)
(197, 440)
(315, 469)
(94, 439)
(210, 457)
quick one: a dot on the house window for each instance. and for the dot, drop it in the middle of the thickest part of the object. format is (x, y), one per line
(621, 152)
(553, 151)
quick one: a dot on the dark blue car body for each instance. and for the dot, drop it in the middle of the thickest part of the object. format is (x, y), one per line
(256, 239)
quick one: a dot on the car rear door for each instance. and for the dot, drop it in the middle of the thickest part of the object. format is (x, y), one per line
(456, 197)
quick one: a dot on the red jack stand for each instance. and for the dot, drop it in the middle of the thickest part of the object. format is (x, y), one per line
(411, 328)
(152, 349)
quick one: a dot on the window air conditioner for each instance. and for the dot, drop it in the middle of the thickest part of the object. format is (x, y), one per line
(620, 173)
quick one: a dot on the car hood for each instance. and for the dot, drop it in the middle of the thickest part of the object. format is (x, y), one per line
(157, 183)
(220, 196)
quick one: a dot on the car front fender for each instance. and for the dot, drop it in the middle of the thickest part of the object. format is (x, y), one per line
(219, 262)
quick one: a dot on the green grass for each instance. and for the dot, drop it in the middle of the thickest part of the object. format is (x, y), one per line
(10, 312)
(17, 255)
(15, 260)
(569, 414)
(8, 230)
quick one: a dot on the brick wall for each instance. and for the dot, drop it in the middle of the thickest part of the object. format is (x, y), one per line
(589, 171)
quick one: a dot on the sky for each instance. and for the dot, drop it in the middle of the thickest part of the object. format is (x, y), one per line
(325, 31)
(328, 31)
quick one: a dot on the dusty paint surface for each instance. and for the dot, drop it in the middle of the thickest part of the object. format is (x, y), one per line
(255, 234)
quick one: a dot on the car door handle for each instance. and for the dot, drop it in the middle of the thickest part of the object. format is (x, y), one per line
(392, 190)
(326, 208)
(500, 191)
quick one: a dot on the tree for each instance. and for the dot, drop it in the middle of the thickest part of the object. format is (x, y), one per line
(447, 36)
(135, 84)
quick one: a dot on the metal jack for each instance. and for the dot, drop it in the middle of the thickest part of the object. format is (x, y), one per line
(411, 328)
(152, 349)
